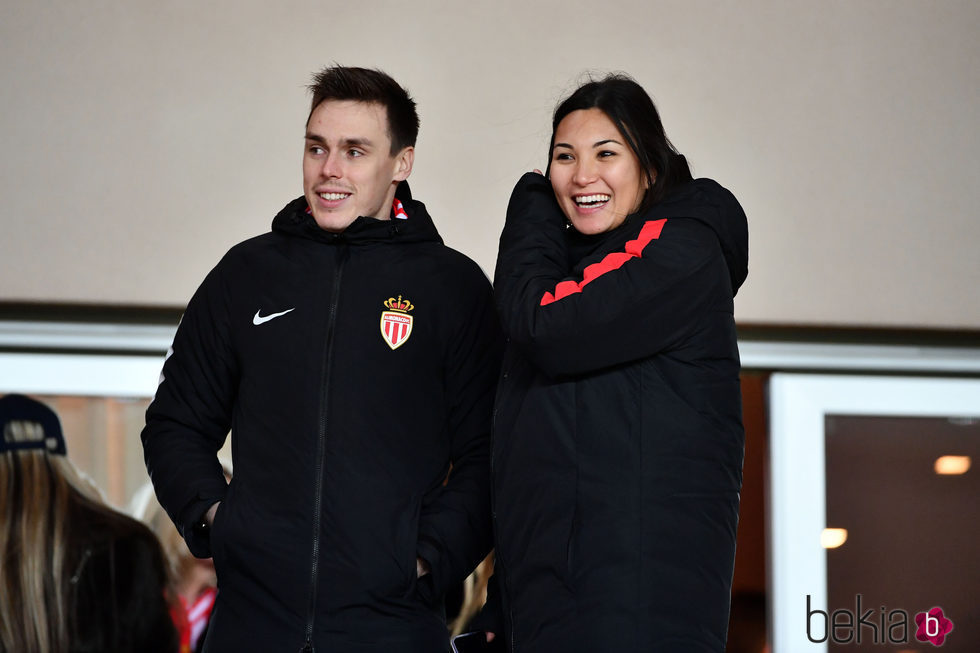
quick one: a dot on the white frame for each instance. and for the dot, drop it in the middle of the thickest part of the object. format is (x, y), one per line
(85, 336)
(89, 375)
(798, 405)
(110, 359)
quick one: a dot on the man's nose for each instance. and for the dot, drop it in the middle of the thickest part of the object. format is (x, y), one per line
(333, 166)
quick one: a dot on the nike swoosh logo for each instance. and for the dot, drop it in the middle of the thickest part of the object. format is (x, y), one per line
(259, 319)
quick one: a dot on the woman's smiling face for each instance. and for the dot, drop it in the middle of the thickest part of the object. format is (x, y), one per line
(597, 178)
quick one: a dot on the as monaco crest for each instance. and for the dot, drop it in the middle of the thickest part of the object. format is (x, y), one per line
(396, 323)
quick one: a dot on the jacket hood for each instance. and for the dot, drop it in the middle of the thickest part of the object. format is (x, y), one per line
(711, 203)
(296, 220)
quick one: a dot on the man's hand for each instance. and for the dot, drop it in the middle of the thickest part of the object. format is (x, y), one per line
(421, 567)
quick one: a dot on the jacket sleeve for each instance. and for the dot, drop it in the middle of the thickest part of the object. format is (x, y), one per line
(627, 305)
(190, 416)
(455, 531)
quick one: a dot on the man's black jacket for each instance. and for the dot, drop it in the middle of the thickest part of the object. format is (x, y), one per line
(352, 370)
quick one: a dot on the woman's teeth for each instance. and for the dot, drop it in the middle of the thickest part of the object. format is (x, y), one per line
(591, 200)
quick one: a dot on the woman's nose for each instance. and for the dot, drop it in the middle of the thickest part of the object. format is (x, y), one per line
(585, 173)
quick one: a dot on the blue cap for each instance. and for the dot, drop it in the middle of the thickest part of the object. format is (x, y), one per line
(26, 424)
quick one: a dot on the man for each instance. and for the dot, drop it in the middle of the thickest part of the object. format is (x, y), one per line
(353, 356)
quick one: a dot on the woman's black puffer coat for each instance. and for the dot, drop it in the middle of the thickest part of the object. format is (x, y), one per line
(618, 440)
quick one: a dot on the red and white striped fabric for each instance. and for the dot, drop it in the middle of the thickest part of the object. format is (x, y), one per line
(196, 616)
(399, 209)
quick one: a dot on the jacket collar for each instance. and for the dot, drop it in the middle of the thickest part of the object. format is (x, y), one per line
(295, 220)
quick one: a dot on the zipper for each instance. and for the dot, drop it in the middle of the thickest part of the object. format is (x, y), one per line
(505, 588)
(321, 444)
(498, 558)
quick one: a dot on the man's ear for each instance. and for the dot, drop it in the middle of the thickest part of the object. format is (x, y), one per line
(403, 163)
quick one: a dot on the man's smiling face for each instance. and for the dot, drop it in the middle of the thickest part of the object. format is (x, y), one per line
(348, 168)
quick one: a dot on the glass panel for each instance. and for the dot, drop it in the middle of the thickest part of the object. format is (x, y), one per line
(798, 494)
(912, 534)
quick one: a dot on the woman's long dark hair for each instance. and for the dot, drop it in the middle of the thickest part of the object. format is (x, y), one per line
(636, 117)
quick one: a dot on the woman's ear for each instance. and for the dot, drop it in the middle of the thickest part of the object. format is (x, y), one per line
(651, 179)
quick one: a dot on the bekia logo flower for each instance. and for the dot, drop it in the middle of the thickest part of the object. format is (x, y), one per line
(933, 626)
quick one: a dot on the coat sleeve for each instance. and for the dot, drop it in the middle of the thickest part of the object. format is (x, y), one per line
(190, 416)
(455, 531)
(627, 305)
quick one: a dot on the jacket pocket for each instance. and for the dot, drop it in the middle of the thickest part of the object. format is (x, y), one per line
(377, 551)
(218, 531)
(409, 544)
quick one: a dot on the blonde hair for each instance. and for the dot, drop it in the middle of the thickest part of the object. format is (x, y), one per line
(40, 500)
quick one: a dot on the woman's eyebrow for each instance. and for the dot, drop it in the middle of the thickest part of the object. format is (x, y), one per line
(594, 145)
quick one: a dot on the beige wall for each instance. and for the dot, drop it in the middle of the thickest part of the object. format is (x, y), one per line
(141, 139)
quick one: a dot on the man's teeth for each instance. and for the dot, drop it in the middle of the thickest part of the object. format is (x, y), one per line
(334, 196)
(591, 199)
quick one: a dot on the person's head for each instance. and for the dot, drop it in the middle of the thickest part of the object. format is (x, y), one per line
(360, 144)
(609, 155)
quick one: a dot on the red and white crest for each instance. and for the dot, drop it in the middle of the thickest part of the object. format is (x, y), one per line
(396, 324)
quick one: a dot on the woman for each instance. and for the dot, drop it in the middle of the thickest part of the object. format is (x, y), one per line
(75, 575)
(618, 435)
